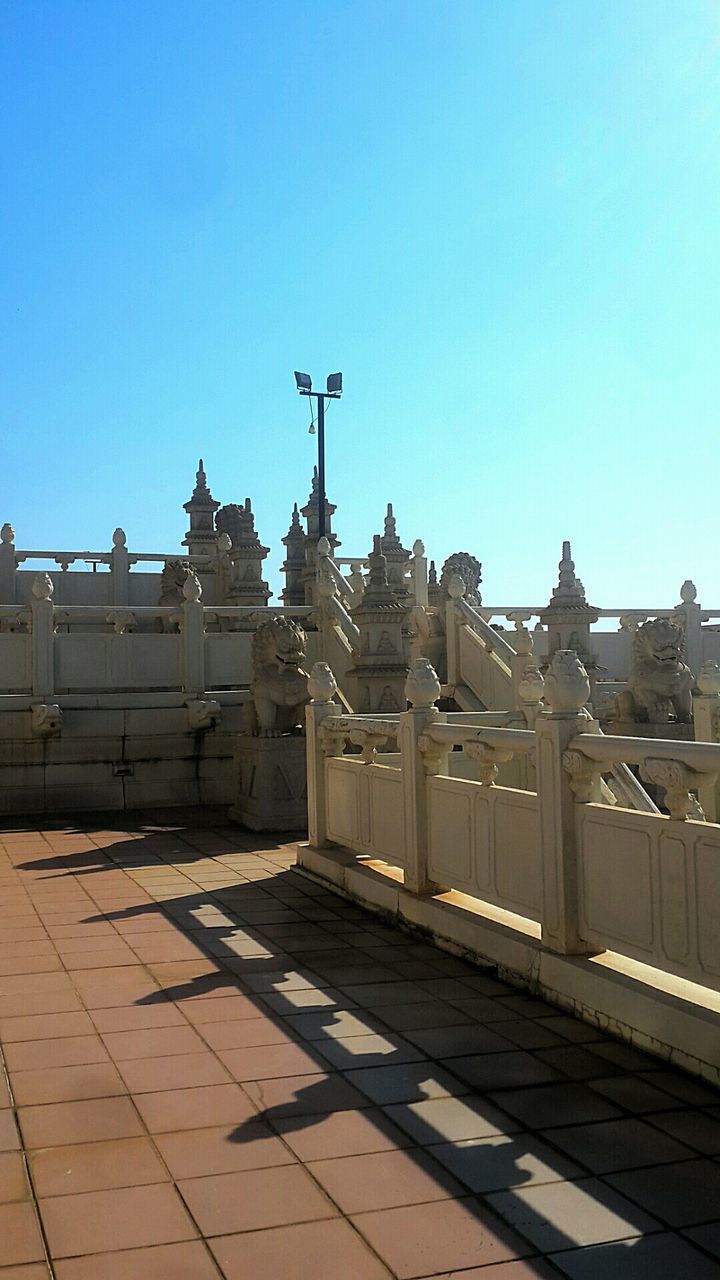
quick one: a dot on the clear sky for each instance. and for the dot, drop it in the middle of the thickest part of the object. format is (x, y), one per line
(499, 218)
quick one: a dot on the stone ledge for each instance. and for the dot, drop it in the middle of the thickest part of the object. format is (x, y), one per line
(679, 1031)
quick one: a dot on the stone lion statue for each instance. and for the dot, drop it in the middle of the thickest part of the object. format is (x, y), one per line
(660, 682)
(172, 581)
(465, 566)
(279, 681)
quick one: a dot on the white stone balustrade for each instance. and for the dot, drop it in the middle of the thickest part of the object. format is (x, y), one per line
(589, 877)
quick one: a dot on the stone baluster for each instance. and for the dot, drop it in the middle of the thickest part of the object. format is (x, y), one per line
(706, 718)
(420, 758)
(43, 634)
(419, 566)
(453, 622)
(7, 564)
(322, 687)
(120, 569)
(691, 612)
(193, 631)
(567, 689)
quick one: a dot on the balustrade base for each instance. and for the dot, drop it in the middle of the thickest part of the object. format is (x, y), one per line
(270, 783)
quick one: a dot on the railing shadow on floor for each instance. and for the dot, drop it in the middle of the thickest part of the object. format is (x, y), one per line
(258, 949)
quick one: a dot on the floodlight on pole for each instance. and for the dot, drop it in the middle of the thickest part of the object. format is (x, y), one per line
(303, 382)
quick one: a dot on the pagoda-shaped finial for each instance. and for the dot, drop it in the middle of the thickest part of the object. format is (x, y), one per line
(201, 509)
(295, 521)
(390, 523)
(311, 512)
(395, 553)
(570, 589)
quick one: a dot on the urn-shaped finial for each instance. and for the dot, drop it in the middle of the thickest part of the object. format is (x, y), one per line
(7, 533)
(42, 586)
(322, 685)
(323, 546)
(567, 687)
(192, 590)
(119, 538)
(688, 592)
(224, 543)
(532, 686)
(708, 680)
(456, 587)
(422, 687)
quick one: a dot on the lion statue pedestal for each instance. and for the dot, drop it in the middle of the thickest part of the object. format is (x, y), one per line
(270, 768)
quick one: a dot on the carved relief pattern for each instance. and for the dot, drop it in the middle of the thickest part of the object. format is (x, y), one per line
(677, 779)
(584, 774)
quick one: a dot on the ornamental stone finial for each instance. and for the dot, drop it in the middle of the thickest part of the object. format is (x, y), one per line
(532, 686)
(224, 543)
(418, 547)
(422, 687)
(567, 687)
(323, 546)
(456, 587)
(322, 685)
(7, 533)
(192, 590)
(688, 592)
(708, 680)
(42, 586)
(119, 538)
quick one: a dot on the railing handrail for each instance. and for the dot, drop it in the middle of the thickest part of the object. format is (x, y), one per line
(493, 640)
(612, 749)
(457, 735)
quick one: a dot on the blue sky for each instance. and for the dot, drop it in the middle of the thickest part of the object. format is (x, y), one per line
(498, 218)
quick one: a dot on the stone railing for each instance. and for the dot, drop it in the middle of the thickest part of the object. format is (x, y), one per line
(584, 876)
(48, 649)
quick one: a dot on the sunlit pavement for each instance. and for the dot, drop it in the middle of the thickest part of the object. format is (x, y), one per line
(215, 1068)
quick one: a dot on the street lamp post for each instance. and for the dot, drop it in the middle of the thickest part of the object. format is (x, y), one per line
(303, 382)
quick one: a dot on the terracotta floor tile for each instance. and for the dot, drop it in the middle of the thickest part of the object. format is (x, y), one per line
(220, 1008)
(66, 1084)
(30, 964)
(75, 961)
(100, 1221)
(451, 1119)
(682, 1194)
(246, 1033)
(29, 1055)
(384, 1180)
(179, 1071)
(96, 1166)
(187, 1261)
(618, 1144)
(138, 1017)
(249, 1201)
(412, 1082)
(153, 1042)
(270, 1060)
(60, 1123)
(197, 1152)
(420, 1240)
(555, 1104)
(20, 1239)
(28, 1003)
(9, 1138)
(29, 1271)
(205, 1106)
(662, 1257)
(13, 1181)
(304, 1095)
(20, 983)
(698, 1130)
(45, 1026)
(503, 1161)
(4, 1092)
(308, 1251)
(342, 1133)
(560, 1215)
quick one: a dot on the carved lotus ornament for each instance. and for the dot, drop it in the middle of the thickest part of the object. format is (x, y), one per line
(567, 687)
(422, 687)
(192, 589)
(322, 685)
(42, 586)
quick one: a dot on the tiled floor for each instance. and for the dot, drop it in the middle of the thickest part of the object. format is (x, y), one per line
(216, 1069)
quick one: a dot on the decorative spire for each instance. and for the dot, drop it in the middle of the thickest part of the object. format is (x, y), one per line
(201, 508)
(390, 523)
(570, 590)
(378, 591)
(201, 491)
